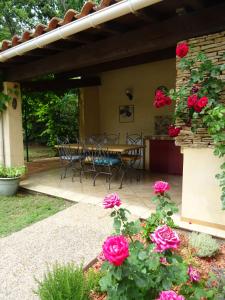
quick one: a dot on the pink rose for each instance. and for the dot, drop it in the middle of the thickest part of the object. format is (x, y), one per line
(170, 295)
(165, 238)
(116, 249)
(161, 187)
(182, 50)
(194, 275)
(192, 100)
(197, 108)
(173, 131)
(111, 200)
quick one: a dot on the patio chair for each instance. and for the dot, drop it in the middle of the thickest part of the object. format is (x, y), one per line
(105, 163)
(68, 157)
(131, 161)
(88, 165)
(112, 138)
(94, 139)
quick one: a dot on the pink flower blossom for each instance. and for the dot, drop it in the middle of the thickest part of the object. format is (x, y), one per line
(165, 238)
(111, 200)
(194, 275)
(161, 187)
(170, 295)
(116, 249)
(182, 49)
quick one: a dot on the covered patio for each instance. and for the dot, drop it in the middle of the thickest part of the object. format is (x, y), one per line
(105, 51)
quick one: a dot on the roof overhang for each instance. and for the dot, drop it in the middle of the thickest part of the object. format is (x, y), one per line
(134, 37)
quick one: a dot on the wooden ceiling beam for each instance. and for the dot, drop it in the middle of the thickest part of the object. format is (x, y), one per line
(158, 36)
(59, 84)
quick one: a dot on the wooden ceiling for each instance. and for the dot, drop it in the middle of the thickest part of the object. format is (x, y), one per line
(150, 34)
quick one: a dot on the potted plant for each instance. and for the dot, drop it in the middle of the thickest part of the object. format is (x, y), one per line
(9, 180)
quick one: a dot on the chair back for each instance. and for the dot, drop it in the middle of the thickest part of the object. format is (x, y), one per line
(134, 139)
(112, 138)
(94, 139)
(64, 149)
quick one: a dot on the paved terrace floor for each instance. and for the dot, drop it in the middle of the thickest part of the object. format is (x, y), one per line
(44, 177)
(136, 196)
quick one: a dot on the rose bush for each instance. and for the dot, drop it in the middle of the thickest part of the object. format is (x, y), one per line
(134, 270)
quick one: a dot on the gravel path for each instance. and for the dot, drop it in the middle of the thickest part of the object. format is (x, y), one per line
(75, 234)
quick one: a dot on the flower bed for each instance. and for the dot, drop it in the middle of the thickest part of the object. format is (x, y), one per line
(151, 260)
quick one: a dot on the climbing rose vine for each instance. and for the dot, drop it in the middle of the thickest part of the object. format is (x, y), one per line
(198, 101)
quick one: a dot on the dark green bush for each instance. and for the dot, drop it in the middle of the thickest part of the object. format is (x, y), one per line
(67, 283)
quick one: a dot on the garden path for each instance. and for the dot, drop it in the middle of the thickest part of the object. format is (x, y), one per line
(75, 234)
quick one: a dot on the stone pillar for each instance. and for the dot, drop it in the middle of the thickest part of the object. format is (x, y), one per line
(12, 126)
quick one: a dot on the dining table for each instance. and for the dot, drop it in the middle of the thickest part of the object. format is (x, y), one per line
(111, 148)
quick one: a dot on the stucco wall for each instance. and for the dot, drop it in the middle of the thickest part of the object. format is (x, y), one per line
(201, 192)
(143, 80)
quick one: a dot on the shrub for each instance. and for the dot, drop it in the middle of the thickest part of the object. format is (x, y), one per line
(11, 172)
(135, 269)
(204, 244)
(67, 283)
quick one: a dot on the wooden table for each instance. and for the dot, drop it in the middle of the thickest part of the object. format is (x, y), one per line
(115, 148)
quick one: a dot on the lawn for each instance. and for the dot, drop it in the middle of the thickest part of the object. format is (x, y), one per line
(38, 151)
(22, 210)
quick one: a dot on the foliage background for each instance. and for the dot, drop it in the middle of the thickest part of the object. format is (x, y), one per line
(49, 114)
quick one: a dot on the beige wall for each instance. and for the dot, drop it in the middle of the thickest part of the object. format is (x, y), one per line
(143, 79)
(201, 202)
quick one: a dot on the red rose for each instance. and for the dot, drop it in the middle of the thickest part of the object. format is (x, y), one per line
(202, 102)
(197, 108)
(161, 99)
(173, 131)
(192, 100)
(182, 50)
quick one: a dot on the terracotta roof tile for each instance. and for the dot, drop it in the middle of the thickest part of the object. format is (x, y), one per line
(71, 15)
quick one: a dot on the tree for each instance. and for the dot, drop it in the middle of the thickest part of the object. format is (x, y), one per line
(16, 16)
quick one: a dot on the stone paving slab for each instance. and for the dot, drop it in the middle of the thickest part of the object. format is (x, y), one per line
(75, 234)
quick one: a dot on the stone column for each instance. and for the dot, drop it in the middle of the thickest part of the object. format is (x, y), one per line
(12, 127)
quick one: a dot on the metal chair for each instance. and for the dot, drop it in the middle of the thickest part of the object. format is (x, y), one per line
(112, 138)
(105, 163)
(94, 139)
(68, 157)
(132, 160)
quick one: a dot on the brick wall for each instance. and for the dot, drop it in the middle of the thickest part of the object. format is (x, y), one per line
(213, 46)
